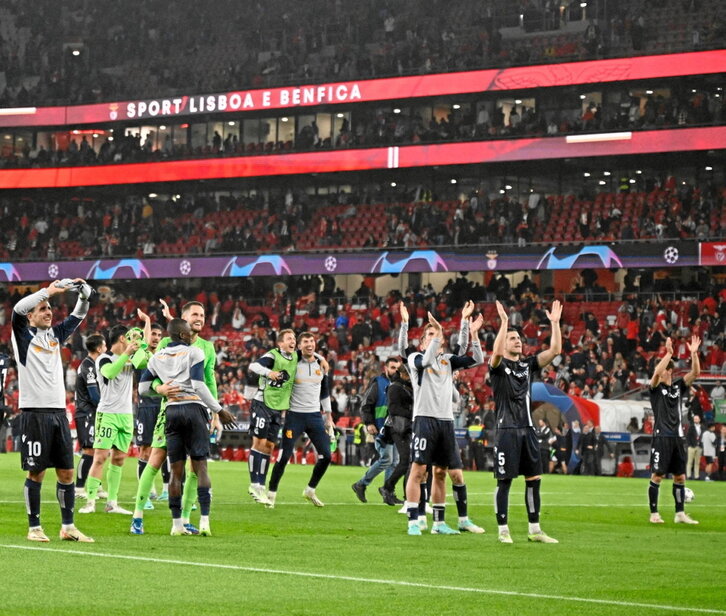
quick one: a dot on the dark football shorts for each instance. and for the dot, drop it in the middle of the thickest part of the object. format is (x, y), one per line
(434, 442)
(45, 440)
(265, 422)
(187, 432)
(668, 455)
(516, 452)
(85, 430)
(145, 420)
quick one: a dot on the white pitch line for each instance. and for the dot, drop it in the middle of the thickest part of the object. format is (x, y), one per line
(346, 578)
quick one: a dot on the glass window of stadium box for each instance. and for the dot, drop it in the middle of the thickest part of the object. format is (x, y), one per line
(230, 131)
(179, 137)
(306, 136)
(285, 132)
(341, 129)
(198, 137)
(512, 110)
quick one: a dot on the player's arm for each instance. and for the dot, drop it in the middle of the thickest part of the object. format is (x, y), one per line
(463, 340)
(546, 357)
(94, 393)
(263, 367)
(145, 381)
(325, 403)
(147, 324)
(403, 331)
(368, 407)
(210, 375)
(662, 364)
(140, 359)
(111, 369)
(500, 340)
(200, 387)
(695, 371)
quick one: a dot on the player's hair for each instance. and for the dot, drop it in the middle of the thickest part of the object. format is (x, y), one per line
(176, 327)
(115, 333)
(94, 342)
(158, 326)
(428, 327)
(670, 365)
(189, 305)
(304, 335)
(513, 329)
(281, 334)
(392, 359)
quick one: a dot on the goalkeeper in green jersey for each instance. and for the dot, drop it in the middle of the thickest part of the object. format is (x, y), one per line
(193, 313)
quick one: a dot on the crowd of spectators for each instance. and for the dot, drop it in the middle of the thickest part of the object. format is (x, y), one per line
(76, 51)
(684, 106)
(373, 217)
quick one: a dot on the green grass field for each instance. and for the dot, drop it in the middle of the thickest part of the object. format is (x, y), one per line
(351, 558)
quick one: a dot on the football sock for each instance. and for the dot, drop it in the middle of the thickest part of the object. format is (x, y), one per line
(532, 500)
(679, 495)
(114, 482)
(412, 511)
(501, 500)
(423, 499)
(84, 465)
(66, 494)
(534, 528)
(460, 499)
(92, 485)
(165, 474)
(32, 502)
(264, 467)
(140, 468)
(439, 512)
(189, 494)
(319, 470)
(653, 489)
(254, 465)
(205, 500)
(175, 506)
(146, 482)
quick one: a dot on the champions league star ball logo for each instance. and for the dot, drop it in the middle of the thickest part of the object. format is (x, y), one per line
(53, 270)
(671, 255)
(185, 268)
(331, 263)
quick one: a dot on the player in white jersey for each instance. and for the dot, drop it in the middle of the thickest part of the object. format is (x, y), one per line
(187, 419)
(45, 434)
(455, 470)
(114, 419)
(434, 440)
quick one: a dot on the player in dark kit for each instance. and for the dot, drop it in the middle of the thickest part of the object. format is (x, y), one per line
(516, 449)
(668, 450)
(87, 398)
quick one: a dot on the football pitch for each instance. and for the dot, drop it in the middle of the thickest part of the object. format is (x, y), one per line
(354, 558)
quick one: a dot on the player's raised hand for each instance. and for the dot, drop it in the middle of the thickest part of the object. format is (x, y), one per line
(467, 310)
(694, 344)
(165, 310)
(503, 314)
(669, 346)
(404, 312)
(142, 315)
(475, 324)
(556, 312)
(434, 323)
(55, 289)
